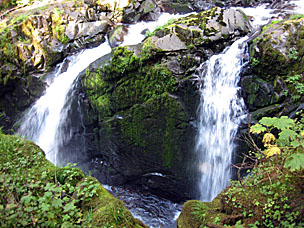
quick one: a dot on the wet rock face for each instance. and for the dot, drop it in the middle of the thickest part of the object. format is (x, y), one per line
(273, 84)
(144, 103)
(141, 10)
(15, 97)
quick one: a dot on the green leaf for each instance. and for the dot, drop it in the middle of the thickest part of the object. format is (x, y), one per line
(257, 128)
(26, 199)
(57, 203)
(295, 162)
(44, 207)
(283, 123)
(69, 206)
(268, 121)
(286, 135)
(295, 144)
(48, 194)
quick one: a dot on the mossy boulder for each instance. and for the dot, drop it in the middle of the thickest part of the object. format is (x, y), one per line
(274, 84)
(265, 198)
(30, 185)
(144, 100)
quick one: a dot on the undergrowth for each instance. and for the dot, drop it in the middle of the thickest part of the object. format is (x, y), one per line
(33, 195)
(271, 194)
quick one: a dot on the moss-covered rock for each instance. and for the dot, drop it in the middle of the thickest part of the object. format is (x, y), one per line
(31, 185)
(275, 82)
(144, 102)
(266, 198)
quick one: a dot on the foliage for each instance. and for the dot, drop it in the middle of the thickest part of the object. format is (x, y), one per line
(296, 83)
(271, 193)
(290, 139)
(31, 196)
(34, 193)
(293, 54)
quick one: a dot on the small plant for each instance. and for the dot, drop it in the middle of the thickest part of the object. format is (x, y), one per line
(200, 211)
(293, 54)
(296, 82)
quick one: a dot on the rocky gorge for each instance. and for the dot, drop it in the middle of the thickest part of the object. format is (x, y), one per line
(140, 101)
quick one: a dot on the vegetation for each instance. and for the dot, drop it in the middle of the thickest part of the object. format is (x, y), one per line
(34, 193)
(271, 194)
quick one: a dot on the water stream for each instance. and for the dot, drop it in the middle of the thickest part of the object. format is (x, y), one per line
(221, 111)
(48, 123)
(43, 122)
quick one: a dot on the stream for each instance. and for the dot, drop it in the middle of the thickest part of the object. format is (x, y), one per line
(44, 123)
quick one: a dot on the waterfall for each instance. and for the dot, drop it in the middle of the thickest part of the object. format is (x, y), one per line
(220, 112)
(43, 122)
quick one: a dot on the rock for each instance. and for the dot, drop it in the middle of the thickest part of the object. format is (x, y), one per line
(17, 94)
(90, 29)
(116, 36)
(144, 103)
(169, 42)
(146, 10)
(276, 69)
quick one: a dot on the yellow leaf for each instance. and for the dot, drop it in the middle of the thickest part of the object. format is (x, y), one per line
(273, 150)
(302, 134)
(268, 139)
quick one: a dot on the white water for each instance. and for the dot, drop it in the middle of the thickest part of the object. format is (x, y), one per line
(43, 122)
(135, 34)
(221, 111)
(299, 9)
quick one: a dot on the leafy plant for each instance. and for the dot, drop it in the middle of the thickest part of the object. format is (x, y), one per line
(293, 54)
(290, 139)
(31, 196)
(297, 83)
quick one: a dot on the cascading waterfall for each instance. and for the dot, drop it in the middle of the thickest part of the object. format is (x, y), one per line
(220, 112)
(43, 122)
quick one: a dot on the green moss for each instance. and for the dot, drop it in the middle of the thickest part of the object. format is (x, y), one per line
(201, 214)
(35, 193)
(133, 127)
(60, 31)
(122, 62)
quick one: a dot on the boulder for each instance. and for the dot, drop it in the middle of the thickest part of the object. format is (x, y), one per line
(274, 84)
(146, 10)
(116, 36)
(144, 101)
